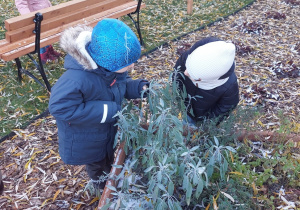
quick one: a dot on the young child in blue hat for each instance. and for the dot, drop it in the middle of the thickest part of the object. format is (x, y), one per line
(206, 73)
(87, 96)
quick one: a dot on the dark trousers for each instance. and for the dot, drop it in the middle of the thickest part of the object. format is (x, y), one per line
(1, 184)
(97, 169)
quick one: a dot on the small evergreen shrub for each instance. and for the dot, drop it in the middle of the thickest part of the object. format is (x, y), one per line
(172, 165)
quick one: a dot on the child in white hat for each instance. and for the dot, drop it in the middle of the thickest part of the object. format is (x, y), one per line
(206, 72)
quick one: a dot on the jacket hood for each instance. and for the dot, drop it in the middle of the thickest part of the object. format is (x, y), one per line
(74, 41)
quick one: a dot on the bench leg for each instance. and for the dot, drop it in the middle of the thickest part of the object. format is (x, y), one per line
(137, 22)
(137, 26)
(40, 67)
(37, 20)
(37, 30)
(21, 70)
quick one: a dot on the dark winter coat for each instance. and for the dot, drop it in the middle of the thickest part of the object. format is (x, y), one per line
(84, 103)
(217, 102)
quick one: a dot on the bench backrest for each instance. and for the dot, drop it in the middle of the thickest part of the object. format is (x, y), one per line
(20, 38)
(57, 16)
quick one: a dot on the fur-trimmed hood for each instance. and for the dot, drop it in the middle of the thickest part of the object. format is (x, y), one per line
(74, 41)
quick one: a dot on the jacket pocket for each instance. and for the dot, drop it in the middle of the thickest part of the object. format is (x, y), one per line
(88, 147)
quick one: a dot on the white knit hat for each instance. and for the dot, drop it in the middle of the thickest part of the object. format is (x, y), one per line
(209, 62)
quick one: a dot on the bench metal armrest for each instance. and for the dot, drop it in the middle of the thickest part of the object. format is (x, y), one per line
(137, 22)
(138, 7)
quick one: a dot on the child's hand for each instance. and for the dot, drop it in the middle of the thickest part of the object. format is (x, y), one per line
(145, 87)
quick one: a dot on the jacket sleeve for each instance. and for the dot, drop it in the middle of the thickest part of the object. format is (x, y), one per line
(22, 6)
(179, 68)
(134, 87)
(67, 104)
(227, 102)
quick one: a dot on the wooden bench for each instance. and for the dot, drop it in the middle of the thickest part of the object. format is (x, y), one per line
(26, 34)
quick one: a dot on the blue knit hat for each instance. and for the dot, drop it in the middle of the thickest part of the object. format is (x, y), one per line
(114, 45)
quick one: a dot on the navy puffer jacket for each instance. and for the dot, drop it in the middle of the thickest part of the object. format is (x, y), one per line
(84, 102)
(217, 102)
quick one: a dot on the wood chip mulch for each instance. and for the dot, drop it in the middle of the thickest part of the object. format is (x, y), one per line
(267, 36)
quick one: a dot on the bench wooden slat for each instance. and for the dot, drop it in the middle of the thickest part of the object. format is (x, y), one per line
(60, 9)
(60, 20)
(17, 49)
(3, 42)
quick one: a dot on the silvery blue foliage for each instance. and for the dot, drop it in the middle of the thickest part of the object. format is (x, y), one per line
(175, 168)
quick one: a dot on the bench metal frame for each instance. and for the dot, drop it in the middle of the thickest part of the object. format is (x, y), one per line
(39, 65)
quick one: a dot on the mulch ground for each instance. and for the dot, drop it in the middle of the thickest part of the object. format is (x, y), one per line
(267, 36)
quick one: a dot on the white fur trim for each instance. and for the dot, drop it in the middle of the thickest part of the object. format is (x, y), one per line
(83, 38)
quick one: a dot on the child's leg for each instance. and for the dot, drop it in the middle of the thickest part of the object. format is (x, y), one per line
(1, 187)
(189, 122)
(48, 53)
(97, 172)
(97, 169)
(1, 184)
(43, 50)
(44, 55)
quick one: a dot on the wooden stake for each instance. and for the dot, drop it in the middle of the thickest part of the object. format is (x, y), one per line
(119, 160)
(189, 7)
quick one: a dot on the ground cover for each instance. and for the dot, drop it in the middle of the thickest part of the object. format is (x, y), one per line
(267, 37)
